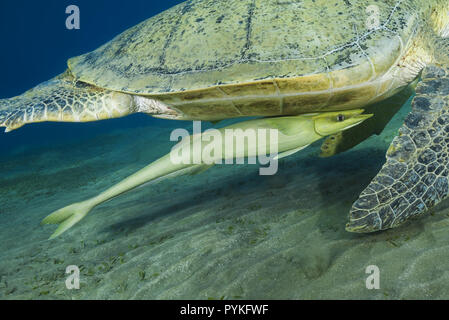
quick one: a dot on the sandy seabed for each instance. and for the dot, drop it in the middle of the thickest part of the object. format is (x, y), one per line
(228, 233)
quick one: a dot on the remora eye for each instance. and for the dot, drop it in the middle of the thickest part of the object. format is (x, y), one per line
(341, 118)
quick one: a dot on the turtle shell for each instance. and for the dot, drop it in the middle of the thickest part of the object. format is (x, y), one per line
(226, 58)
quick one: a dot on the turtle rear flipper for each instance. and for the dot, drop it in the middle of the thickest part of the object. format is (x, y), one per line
(64, 99)
(415, 176)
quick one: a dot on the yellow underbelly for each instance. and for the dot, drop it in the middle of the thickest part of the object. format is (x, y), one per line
(277, 97)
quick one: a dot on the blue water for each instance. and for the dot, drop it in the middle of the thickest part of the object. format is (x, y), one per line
(36, 45)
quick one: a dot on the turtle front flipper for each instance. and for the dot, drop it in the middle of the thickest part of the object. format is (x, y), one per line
(415, 176)
(64, 99)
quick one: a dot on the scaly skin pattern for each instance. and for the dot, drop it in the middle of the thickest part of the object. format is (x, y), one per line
(63, 99)
(67, 100)
(415, 176)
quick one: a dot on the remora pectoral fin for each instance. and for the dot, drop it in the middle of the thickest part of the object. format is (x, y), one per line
(290, 152)
(200, 169)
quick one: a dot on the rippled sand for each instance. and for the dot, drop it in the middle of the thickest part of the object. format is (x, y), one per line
(226, 234)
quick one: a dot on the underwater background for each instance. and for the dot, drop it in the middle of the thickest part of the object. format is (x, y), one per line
(226, 234)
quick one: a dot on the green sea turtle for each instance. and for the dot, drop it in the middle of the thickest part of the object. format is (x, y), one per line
(218, 59)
